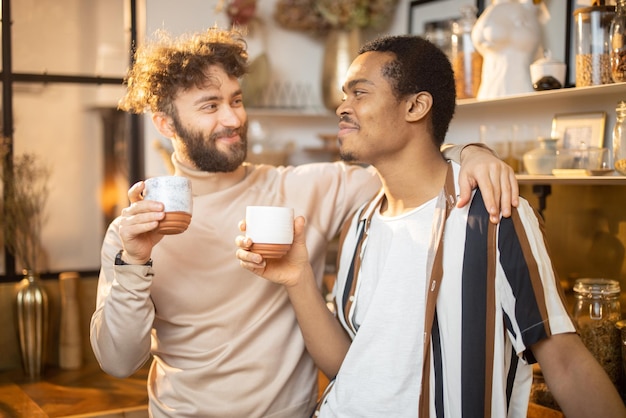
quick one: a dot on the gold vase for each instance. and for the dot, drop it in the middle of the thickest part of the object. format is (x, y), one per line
(32, 323)
(341, 47)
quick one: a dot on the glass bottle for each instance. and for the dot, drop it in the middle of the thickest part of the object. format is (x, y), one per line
(618, 43)
(467, 63)
(596, 313)
(619, 138)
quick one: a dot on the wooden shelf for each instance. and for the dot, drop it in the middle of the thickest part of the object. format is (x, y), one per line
(608, 180)
(573, 93)
(289, 112)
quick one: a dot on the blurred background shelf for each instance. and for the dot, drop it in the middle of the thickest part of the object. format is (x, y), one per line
(607, 180)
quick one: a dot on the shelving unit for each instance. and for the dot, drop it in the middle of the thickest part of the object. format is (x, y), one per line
(306, 112)
(535, 109)
(538, 109)
(608, 180)
(549, 96)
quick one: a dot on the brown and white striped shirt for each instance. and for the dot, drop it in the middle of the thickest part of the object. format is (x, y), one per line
(488, 292)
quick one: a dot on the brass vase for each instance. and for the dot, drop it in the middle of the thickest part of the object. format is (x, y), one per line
(32, 323)
(340, 48)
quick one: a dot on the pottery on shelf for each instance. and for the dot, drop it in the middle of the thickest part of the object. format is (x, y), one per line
(542, 160)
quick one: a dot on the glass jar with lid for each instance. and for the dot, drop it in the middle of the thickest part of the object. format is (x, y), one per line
(596, 313)
(593, 28)
(619, 138)
(467, 63)
(618, 43)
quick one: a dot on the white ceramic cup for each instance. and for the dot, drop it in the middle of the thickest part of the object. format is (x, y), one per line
(175, 194)
(271, 229)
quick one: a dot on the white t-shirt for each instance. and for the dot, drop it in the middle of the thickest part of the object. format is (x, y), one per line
(383, 345)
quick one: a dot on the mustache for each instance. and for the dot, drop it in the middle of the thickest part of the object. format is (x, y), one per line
(345, 118)
(225, 133)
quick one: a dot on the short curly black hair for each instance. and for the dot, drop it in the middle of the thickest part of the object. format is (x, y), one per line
(419, 65)
(166, 65)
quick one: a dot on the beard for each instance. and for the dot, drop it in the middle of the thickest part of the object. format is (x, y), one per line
(201, 149)
(347, 157)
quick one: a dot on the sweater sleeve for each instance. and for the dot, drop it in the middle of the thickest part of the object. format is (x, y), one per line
(120, 329)
(453, 152)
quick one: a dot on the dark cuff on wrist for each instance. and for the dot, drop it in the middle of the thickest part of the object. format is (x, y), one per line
(120, 262)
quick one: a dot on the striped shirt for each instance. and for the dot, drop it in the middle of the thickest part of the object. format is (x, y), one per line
(479, 296)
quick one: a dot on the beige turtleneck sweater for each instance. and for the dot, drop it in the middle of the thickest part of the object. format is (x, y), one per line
(224, 341)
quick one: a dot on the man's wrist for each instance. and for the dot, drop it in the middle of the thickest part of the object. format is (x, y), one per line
(119, 261)
(478, 145)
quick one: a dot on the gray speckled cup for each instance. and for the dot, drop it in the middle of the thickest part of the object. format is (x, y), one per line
(175, 193)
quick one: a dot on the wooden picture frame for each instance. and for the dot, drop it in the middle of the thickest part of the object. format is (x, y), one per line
(423, 11)
(579, 130)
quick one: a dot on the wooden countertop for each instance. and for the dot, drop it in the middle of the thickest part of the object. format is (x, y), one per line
(87, 392)
(91, 393)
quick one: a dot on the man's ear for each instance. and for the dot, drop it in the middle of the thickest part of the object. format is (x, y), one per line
(164, 124)
(418, 106)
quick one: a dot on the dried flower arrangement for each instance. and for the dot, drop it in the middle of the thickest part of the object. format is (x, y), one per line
(240, 12)
(318, 16)
(25, 196)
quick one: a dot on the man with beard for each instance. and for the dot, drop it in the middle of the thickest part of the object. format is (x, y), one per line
(223, 342)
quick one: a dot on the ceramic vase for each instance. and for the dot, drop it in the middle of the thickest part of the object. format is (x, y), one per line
(341, 47)
(32, 323)
(542, 160)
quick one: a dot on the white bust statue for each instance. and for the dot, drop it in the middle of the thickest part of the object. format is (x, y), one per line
(507, 35)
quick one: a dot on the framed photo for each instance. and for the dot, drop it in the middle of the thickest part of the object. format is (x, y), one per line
(424, 11)
(575, 130)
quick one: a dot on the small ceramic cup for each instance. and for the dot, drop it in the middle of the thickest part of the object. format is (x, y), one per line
(175, 193)
(271, 230)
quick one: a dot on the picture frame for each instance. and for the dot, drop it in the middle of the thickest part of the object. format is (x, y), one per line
(423, 11)
(577, 130)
